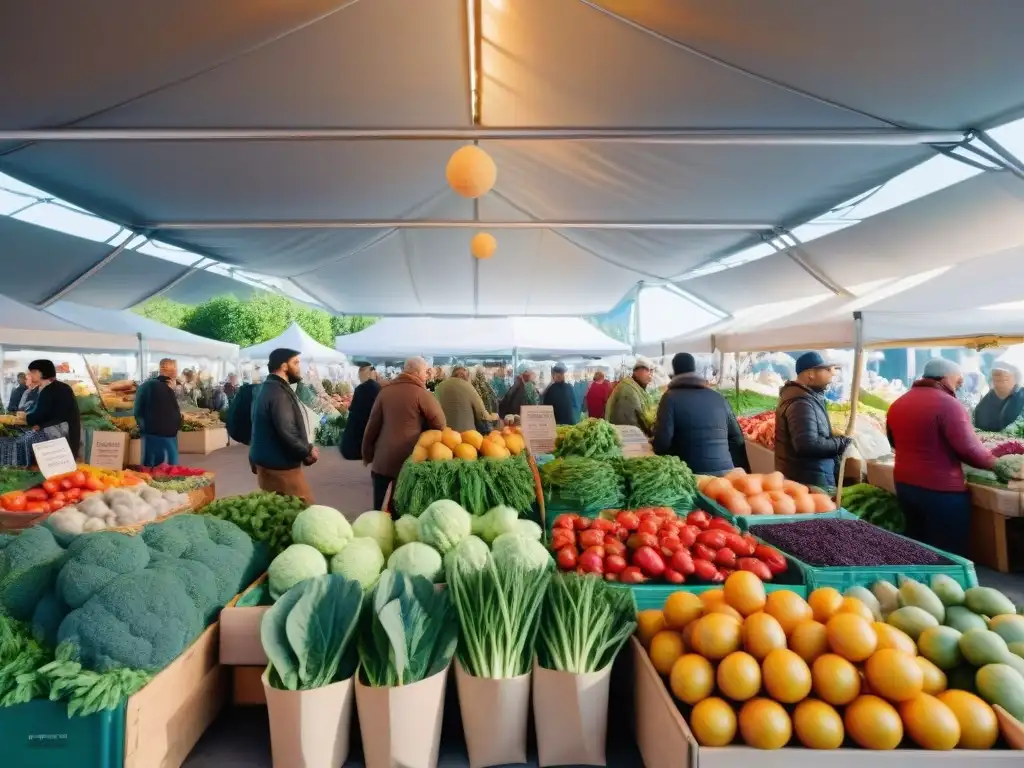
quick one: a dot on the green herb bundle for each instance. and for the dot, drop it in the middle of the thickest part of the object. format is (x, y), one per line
(266, 517)
(499, 608)
(476, 485)
(747, 403)
(658, 481)
(309, 633)
(408, 632)
(590, 438)
(85, 691)
(1009, 468)
(584, 623)
(591, 484)
(876, 506)
(16, 479)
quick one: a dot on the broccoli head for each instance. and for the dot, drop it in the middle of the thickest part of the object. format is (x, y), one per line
(50, 612)
(174, 536)
(200, 582)
(28, 567)
(139, 620)
(96, 559)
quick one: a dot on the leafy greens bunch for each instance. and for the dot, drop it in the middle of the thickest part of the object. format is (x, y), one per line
(408, 631)
(593, 484)
(591, 438)
(309, 633)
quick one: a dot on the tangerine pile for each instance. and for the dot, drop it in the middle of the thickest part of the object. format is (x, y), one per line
(768, 667)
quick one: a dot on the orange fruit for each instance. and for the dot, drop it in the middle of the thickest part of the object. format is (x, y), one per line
(688, 636)
(818, 725)
(764, 724)
(739, 676)
(788, 608)
(824, 602)
(666, 647)
(786, 676)
(809, 640)
(692, 678)
(891, 637)
(648, 624)
(725, 609)
(713, 723)
(930, 723)
(745, 592)
(711, 596)
(935, 680)
(853, 605)
(851, 636)
(835, 680)
(979, 728)
(681, 608)
(715, 636)
(873, 723)
(762, 634)
(894, 675)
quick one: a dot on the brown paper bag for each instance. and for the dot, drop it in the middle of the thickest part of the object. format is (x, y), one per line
(494, 717)
(570, 713)
(309, 729)
(401, 726)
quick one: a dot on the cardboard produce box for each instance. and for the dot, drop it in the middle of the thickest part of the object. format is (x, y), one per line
(880, 475)
(203, 442)
(762, 460)
(665, 740)
(240, 643)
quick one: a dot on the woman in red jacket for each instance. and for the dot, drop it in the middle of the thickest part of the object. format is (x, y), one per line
(597, 396)
(932, 436)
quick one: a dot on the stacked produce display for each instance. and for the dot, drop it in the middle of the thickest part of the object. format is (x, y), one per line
(773, 670)
(743, 494)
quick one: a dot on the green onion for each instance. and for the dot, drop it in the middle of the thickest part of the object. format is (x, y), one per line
(499, 609)
(584, 623)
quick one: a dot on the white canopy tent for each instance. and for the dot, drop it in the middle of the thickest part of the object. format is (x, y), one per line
(526, 337)
(293, 337)
(25, 327)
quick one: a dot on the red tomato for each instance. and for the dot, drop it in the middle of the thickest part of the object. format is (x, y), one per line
(614, 564)
(638, 540)
(611, 577)
(666, 512)
(721, 524)
(591, 538)
(628, 520)
(78, 479)
(738, 544)
(55, 505)
(702, 552)
(750, 541)
(581, 523)
(36, 494)
(725, 558)
(650, 562)
(596, 550)
(669, 544)
(58, 496)
(36, 506)
(591, 562)
(622, 534)
(650, 525)
(704, 569)
(603, 524)
(712, 538)
(73, 495)
(51, 487)
(700, 518)
(673, 577)
(613, 546)
(566, 558)
(564, 521)
(632, 575)
(563, 537)
(755, 566)
(688, 535)
(66, 484)
(774, 559)
(14, 501)
(93, 484)
(682, 562)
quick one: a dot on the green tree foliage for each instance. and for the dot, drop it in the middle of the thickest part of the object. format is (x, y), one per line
(253, 321)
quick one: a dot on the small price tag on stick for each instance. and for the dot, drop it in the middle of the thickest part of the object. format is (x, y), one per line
(634, 441)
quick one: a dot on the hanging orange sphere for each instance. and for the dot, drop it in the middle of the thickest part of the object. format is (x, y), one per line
(483, 245)
(471, 172)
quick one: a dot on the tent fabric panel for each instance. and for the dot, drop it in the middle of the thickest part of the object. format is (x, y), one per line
(202, 286)
(25, 327)
(775, 278)
(293, 337)
(898, 61)
(128, 280)
(543, 337)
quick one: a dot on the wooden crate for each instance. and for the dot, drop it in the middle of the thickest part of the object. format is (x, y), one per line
(203, 442)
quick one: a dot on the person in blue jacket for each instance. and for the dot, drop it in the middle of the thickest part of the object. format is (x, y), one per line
(159, 416)
(561, 397)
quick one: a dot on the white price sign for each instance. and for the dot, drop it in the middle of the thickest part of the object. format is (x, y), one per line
(634, 441)
(108, 450)
(54, 457)
(538, 425)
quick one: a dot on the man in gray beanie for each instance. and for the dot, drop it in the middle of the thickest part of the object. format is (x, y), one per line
(932, 436)
(1001, 408)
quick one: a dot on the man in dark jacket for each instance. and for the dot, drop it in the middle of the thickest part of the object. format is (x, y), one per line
(280, 443)
(17, 393)
(932, 437)
(159, 416)
(56, 410)
(560, 396)
(522, 392)
(363, 398)
(696, 423)
(805, 448)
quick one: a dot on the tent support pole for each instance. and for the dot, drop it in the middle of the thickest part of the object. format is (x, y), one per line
(60, 294)
(142, 359)
(3, 380)
(793, 251)
(851, 425)
(737, 356)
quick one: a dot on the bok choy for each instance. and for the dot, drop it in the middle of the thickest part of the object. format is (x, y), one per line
(309, 633)
(408, 631)
(499, 607)
(584, 623)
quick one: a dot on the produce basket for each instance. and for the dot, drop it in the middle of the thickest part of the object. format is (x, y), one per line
(19, 521)
(743, 522)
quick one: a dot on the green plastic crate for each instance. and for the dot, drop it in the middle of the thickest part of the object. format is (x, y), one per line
(743, 522)
(40, 734)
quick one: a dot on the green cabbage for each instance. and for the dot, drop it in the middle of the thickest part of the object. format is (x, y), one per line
(407, 528)
(360, 561)
(323, 528)
(511, 547)
(416, 559)
(444, 524)
(377, 526)
(470, 554)
(497, 521)
(297, 563)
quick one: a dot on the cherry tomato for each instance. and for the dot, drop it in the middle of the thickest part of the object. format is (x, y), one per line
(55, 505)
(738, 544)
(58, 496)
(682, 562)
(755, 566)
(673, 577)
(51, 487)
(591, 562)
(36, 494)
(591, 538)
(603, 524)
(14, 501)
(669, 544)
(563, 537)
(93, 484)
(712, 538)
(566, 558)
(638, 540)
(78, 479)
(650, 525)
(564, 521)
(66, 484)
(650, 562)
(704, 570)
(73, 495)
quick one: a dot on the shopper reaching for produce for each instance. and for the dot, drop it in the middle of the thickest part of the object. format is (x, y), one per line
(561, 397)
(628, 401)
(931, 433)
(805, 448)
(402, 410)
(56, 410)
(280, 444)
(1002, 406)
(696, 423)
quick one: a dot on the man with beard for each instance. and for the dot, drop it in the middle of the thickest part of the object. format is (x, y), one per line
(932, 437)
(805, 448)
(280, 445)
